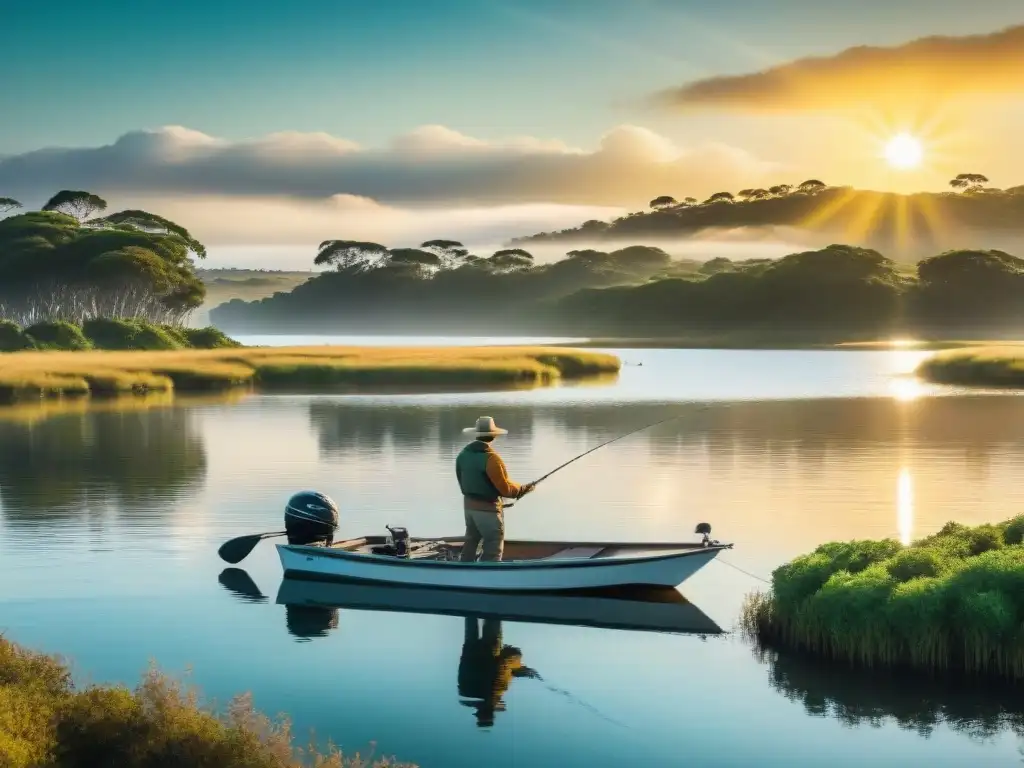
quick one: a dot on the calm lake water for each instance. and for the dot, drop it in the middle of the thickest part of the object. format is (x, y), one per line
(111, 517)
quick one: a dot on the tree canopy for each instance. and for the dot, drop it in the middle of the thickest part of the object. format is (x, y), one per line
(56, 266)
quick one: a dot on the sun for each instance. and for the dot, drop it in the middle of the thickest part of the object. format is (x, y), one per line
(904, 151)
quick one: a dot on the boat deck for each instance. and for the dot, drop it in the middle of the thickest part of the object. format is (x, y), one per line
(450, 548)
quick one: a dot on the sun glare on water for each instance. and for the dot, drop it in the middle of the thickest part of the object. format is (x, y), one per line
(904, 151)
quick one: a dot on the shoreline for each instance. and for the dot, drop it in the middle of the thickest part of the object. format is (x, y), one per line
(743, 340)
(312, 369)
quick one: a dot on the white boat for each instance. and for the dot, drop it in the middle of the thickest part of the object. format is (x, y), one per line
(645, 609)
(526, 565)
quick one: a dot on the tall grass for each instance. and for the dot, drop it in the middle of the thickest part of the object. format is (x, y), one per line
(31, 374)
(995, 366)
(953, 601)
(46, 722)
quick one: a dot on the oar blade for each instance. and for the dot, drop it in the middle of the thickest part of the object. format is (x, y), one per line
(236, 550)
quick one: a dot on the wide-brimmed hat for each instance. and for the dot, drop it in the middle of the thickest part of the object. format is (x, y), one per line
(485, 426)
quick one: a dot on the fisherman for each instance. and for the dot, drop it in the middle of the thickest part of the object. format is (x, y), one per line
(484, 481)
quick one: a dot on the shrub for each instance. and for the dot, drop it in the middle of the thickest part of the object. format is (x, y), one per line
(57, 335)
(46, 723)
(208, 338)
(950, 601)
(129, 334)
(12, 338)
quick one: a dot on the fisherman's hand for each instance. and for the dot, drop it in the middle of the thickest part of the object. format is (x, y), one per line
(525, 489)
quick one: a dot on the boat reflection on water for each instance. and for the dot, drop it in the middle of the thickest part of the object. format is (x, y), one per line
(649, 609)
(304, 622)
(487, 665)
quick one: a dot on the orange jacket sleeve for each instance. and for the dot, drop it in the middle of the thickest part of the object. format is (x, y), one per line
(499, 476)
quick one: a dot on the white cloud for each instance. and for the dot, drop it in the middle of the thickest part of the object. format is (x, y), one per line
(288, 191)
(431, 165)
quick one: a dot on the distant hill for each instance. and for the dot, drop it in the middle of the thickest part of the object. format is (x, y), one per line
(223, 285)
(904, 227)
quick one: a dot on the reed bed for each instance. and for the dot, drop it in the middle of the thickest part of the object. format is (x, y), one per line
(951, 602)
(322, 368)
(47, 722)
(986, 366)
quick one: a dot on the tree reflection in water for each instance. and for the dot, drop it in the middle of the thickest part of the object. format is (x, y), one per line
(981, 710)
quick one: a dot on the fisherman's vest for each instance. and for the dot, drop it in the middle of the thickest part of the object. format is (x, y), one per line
(471, 470)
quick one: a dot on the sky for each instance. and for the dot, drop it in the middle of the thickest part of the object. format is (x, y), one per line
(267, 127)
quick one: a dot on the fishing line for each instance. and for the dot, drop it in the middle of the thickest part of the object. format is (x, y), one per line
(745, 573)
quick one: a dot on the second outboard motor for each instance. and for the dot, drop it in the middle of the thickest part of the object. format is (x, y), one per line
(311, 517)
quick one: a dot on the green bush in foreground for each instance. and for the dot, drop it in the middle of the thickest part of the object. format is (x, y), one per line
(118, 334)
(110, 334)
(58, 335)
(46, 723)
(952, 601)
(12, 338)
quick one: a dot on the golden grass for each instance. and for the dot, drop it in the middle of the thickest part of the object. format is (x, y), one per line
(320, 367)
(982, 366)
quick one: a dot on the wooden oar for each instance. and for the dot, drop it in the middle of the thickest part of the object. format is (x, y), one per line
(236, 550)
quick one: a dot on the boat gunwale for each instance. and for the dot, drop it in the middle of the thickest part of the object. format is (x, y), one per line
(677, 551)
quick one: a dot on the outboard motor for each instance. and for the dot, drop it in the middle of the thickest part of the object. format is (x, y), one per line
(705, 529)
(399, 541)
(310, 517)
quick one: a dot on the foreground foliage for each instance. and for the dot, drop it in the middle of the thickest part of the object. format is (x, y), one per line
(46, 722)
(953, 601)
(32, 374)
(976, 366)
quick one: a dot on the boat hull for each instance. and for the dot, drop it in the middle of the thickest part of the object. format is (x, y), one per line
(640, 566)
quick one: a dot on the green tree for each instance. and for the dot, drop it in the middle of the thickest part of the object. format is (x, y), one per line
(351, 254)
(54, 267)
(8, 204)
(451, 252)
(968, 182)
(150, 222)
(511, 260)
(721, 197)
(77, 203)
(415, 258)
(811, 185)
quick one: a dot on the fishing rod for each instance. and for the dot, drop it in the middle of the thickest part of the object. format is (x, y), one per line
(602, 445)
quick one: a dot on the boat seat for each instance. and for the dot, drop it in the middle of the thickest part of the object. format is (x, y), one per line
(574, 553)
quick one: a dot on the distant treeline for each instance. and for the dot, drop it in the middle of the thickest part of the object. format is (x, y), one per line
(881, 219)
(840, 290)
